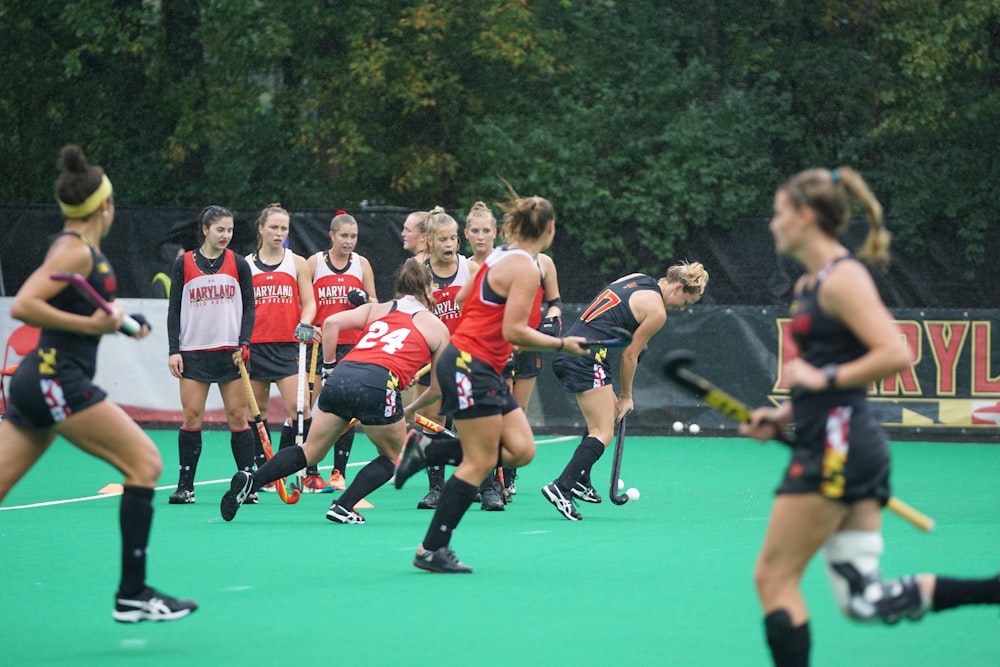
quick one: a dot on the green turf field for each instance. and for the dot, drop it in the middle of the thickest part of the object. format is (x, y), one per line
(666, 580)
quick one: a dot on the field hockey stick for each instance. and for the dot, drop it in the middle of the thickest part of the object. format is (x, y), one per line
(87, 291)
(616, 466)
(622, 337)
(675, 367)
(433, 426)
(265, 438)
(313, 361)
(300, 406)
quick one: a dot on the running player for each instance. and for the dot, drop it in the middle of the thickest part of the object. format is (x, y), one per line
(497, 309)
(342, 279)
(450, 272)
(52, 392)
(638, 304)
(838, 478)
(210, 317)
(285, 309)
(399, 337)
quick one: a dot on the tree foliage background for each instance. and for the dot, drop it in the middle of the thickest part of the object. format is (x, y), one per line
(639, 119)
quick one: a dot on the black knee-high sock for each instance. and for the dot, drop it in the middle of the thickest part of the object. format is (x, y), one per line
(789, 645)
(509, 475)
(312, 469)
(372, 476)
(287, 438)
(435, 477)
(259, 457)
(342, 450)
(950, 593)
(135, 516)
(455, 500)
(286, 462)
(241, 442)
(188, 453)
(584, 458)
(443, 450)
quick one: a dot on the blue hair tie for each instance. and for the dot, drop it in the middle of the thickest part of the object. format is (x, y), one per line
(835, 176)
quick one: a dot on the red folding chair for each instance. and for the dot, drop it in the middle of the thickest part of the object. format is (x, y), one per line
(21, 341)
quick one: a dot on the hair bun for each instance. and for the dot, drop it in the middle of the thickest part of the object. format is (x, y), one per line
(73, 159)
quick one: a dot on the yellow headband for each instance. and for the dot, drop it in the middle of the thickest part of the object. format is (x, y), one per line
(90, 204)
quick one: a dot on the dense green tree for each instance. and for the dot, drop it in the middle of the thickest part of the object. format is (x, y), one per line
(641, 120)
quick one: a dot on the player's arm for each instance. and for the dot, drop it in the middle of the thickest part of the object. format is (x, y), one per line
(436, 334)
(849, 294)
(307, 299)
(249, 303)
(647, 308)
(355, 318)
(368, 278)
(550, 286)
(31, 303)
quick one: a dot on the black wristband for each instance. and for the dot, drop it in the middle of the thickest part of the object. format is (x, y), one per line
(830, 371)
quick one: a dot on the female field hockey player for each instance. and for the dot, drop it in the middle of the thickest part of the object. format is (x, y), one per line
(52, 393)
(284, 311)
(639, 304)
(399, 337)
(450, 272)
(414, 234)
(497, 307)
(341, 279)
(838, 479)
(210, 318)
(480, 231)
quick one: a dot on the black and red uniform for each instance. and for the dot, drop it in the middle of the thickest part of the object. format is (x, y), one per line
(366, 384)
(470, 370)
(609, 309)
(56, 380)
(840, 448)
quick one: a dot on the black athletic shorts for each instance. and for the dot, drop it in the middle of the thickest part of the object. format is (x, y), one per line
(527, 364)
(580, 374)
(470, 387)
(368, 392)
(37, 401)
(840, 452)
(274, 361)
(211, 365)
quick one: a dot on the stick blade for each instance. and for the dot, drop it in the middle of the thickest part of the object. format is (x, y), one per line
(675, 360)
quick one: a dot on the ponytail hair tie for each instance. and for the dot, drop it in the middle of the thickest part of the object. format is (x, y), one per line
(835, 176)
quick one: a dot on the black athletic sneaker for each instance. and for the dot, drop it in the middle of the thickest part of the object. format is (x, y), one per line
(586, 492)
(441, 561)
(151, 605)
(239, 489)
(412, 459)
(554, 495)
(492, 500)
(430, 501)
(182, 497)
(339, 514)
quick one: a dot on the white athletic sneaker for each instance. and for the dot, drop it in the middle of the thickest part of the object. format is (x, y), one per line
(150, 605)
